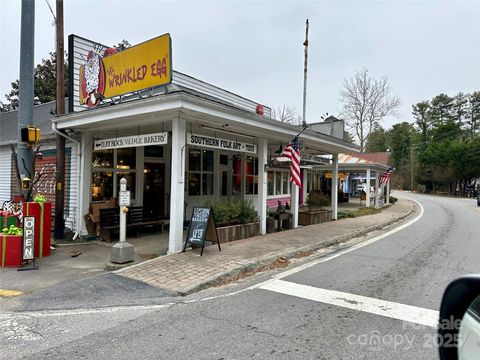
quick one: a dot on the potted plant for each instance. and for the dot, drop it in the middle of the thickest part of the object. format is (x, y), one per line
(317, 210)
(235, 219)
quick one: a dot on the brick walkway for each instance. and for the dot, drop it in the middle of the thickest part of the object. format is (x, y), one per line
(183, 273)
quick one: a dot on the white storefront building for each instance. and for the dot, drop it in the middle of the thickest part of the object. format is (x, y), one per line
(179, 145)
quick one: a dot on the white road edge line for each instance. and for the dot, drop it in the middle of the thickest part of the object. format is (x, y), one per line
(343, 252)
(73, 312)
(384, 308)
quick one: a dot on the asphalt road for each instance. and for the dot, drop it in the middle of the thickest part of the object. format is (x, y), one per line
(375, 300)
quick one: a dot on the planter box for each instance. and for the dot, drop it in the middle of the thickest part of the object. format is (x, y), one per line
(43, 223)
(314, 216)
(238, 232)
(10, 250)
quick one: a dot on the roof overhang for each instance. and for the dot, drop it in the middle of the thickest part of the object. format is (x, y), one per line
(197, 110)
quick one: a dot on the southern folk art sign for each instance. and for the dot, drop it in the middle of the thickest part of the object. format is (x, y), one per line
(222, 144)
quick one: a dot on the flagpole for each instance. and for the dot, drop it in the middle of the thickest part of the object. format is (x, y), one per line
(304, 121)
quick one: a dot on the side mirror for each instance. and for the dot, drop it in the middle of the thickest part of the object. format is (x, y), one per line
(459, 323)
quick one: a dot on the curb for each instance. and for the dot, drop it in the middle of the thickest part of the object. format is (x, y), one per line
(288, 254)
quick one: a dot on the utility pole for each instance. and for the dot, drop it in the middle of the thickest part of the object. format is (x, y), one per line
(60, 157)
(26, 90)
(304, 119)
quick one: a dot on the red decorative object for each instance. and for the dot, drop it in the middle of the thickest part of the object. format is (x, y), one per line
(260, 110)
(10, 250)
(43, 222)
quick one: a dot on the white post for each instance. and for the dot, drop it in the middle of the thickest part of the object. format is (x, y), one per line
(85, 187)
(294, 205)
(177, 194)
(305, 186)
(334, 198)
(262, 184)
(123, 215)
(377, 191)
(367, 189)
(123, 252)
(387, 196)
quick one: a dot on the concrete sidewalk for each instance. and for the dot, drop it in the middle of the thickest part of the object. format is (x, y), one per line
(183, 273)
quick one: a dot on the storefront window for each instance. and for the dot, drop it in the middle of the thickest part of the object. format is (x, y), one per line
(285, 176)
(114, 163)
(251, 187)
(278, 183)
(270, 185)
(102, 159)
(102, 185)
(207, 184)
(126, 158)
(200, 174)
(194, 157)
(237, 175)
(155, 151)
(193, 183)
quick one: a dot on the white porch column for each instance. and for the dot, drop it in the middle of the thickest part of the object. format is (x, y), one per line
(367, 190)
(294, 204)
(377, 190)
(334, 198)
(387, 196)
(304, 186)
(85, 187)
(177, 195)
(262, 184)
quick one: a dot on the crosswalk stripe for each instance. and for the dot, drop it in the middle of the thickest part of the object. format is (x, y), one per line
(370, 305)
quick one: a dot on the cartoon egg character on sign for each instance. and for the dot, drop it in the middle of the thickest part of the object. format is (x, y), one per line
(92, 78)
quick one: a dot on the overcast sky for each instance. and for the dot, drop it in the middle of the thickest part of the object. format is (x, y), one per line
(255, 48)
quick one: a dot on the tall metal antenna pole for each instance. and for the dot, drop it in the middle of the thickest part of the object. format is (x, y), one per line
(304, 119)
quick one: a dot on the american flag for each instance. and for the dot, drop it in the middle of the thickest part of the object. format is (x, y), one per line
(386, 175)
(292, 151)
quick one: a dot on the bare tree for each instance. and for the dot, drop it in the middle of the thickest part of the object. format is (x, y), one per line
(366, 102)
(286, 114)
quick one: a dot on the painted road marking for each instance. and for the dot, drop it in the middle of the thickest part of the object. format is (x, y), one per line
(370, 305)
(75, 312)
(346, 251)
(9, 293)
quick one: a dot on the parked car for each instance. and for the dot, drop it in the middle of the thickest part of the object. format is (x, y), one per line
(459, 323)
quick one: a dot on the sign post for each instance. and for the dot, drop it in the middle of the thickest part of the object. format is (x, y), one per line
(123, 252)
(28, 248)
(202, 228)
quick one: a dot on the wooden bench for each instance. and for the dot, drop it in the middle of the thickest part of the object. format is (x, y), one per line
(137, 218)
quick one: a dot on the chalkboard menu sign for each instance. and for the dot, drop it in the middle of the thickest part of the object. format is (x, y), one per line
(202, 228)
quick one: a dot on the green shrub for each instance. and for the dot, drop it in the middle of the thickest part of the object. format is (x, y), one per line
(393, 199)
(233, 211)
(316, 200)
(345, 214)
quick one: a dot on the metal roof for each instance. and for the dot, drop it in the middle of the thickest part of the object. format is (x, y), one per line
(42, 115)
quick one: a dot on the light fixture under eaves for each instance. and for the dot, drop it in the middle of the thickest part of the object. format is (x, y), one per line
(226, 131)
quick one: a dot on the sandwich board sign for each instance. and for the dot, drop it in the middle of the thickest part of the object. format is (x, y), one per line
(28, 238)
(28, 246)
(202, 228)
